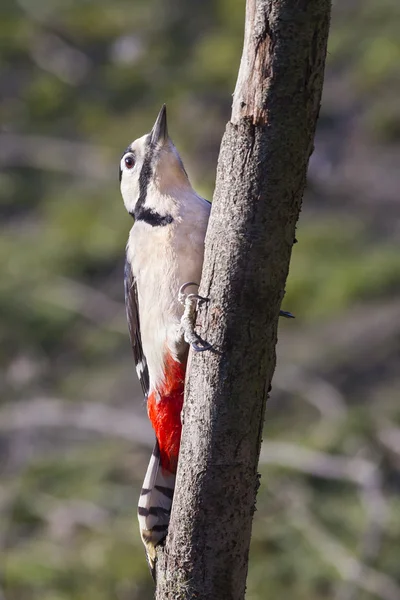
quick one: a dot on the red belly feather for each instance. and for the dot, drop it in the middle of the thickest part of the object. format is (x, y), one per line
(165, 414)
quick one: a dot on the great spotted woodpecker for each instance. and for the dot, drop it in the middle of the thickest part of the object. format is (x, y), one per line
(164, 257)
(164, 252)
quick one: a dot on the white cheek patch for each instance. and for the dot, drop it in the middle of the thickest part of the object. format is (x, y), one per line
(130, 187)
(163, 204)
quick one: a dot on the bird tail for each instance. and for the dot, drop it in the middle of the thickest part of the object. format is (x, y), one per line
(155, 503)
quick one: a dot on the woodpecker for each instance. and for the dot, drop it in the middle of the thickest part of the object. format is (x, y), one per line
(164, 252)
(164, 258)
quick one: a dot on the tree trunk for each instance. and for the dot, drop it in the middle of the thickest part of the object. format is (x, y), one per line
(260, 182)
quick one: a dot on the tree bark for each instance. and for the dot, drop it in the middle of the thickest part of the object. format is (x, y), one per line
(260, 182)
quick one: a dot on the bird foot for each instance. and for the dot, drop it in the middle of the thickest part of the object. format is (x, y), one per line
(188, 319)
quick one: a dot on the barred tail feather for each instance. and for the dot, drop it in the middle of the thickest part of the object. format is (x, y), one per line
(155, 503)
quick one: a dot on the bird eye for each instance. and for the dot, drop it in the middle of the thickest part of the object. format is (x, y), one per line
(129, 162)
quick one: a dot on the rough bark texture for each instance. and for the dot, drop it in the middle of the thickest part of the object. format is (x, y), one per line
(260, 182)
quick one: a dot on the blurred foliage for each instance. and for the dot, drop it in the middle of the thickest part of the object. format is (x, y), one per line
(80, 80)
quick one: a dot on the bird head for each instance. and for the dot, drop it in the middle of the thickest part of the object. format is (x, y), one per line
(151, 172)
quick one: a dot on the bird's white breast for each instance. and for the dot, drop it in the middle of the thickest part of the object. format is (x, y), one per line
(162, 259)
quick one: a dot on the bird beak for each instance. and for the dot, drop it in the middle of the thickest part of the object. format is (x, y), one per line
(159, 133)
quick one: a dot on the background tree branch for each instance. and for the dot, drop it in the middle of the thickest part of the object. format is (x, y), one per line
(260, 182)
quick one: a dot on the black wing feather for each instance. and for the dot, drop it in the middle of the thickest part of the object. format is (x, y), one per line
(132, 313)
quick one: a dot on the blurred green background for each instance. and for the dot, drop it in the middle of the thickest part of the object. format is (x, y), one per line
(79, 80)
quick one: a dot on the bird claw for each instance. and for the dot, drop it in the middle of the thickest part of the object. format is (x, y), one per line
(191, 302)
(286, 314)
(200, 345)
(182, 297)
